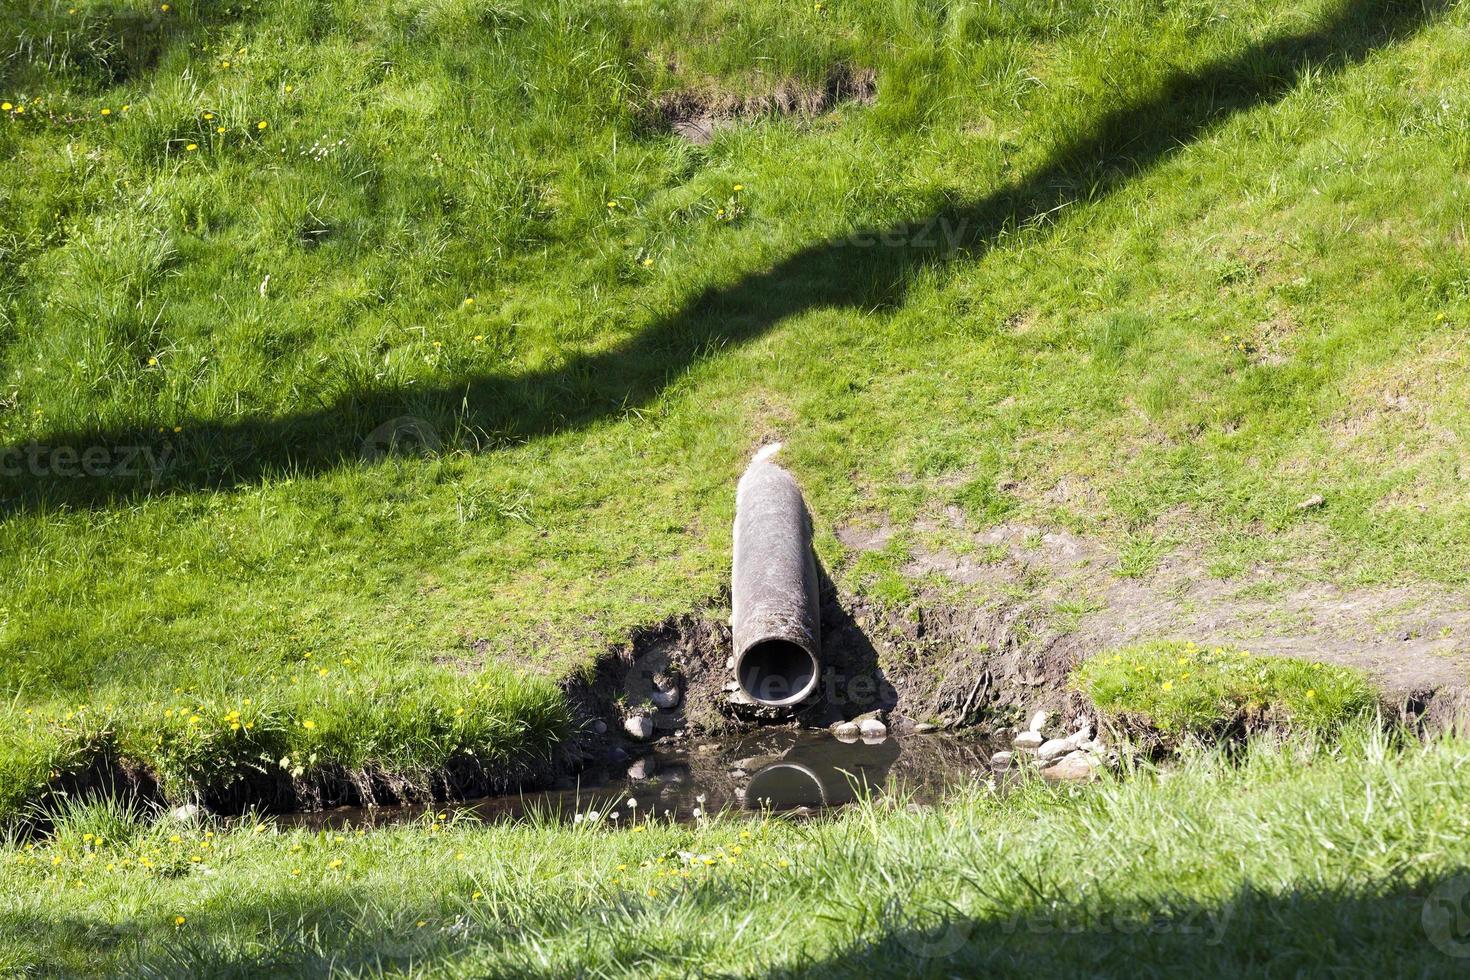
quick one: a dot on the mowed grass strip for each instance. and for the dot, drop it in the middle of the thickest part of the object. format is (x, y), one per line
(238, 246)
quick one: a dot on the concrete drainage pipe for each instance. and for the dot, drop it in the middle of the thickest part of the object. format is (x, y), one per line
(774, 596)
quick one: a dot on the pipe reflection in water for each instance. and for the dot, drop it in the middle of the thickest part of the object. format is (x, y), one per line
(779, 769)
(821, 773)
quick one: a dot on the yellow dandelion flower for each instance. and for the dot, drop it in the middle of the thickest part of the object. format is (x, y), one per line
(208, 116)
(308, 724)
(1311, 694)
(179, 920)
(106, 112)
(1168, 685)
(335, 864)
(647, 263)
(6, 107)
(262, 124)
(290, 89)
(192, 147)
(739, 188)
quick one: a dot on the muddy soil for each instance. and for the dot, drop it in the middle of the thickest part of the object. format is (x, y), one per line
(699, 111)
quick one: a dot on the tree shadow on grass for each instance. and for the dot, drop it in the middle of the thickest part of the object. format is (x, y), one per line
(871, 268)
(1419, 928)
(1367, 931)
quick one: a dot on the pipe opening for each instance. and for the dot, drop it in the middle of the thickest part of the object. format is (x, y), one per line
(777, 672)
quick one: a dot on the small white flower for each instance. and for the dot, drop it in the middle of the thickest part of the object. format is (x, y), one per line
(698, 813)
(632, 803)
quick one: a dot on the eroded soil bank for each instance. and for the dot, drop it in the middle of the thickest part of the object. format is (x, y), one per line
(991, 638)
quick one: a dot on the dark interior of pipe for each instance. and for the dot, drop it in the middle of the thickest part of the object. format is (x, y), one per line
(776, 671)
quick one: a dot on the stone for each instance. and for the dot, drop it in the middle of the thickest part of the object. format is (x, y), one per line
(1027, 740)
(847, 730)
(643, 768)
(665, 698)
(872, 728)
(1038, 721)
(1075, 767)
(599, 727)
(877, 716)
(1311, 503)
(1081, 735)
(1001, 760)
(925, 728)
(185, 813)
(1054, 749)
(639, 726)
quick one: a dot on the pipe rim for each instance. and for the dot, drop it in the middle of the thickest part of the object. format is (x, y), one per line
(798, 696)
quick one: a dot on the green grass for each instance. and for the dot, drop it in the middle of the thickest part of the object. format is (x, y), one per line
(1135, 186)
(1292, 859)
(1178, 687)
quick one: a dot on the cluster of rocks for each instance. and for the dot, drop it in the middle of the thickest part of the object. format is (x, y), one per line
(1077, 756)
(869, 727)
(664, 695)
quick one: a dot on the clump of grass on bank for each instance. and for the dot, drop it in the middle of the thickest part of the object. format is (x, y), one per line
(1178, 687)
(232, 742)
(1287, 859)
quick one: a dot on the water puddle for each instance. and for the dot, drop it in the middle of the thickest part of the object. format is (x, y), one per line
(780, 771)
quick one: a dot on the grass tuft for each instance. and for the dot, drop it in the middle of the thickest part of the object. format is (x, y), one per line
(1179, 687)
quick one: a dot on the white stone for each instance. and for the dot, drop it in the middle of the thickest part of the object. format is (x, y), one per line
(847, 731)
(639, 726)
(667, 698)
(872, 728)
(1075, 767)
(1001, 760)
(1055, 749)
(1027, 740)
(1038, 721)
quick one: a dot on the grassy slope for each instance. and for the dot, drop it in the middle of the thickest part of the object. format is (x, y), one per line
(1292, 860)
(1228, 293)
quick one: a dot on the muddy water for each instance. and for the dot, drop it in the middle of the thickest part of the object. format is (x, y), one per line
(779, 771)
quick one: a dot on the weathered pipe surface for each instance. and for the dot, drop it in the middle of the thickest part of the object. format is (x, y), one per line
(776, 609)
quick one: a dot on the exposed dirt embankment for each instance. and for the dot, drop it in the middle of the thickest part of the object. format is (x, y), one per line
(999, 625)
(992, 637)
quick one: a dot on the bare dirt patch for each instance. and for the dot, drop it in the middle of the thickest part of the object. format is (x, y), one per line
(696, 113)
